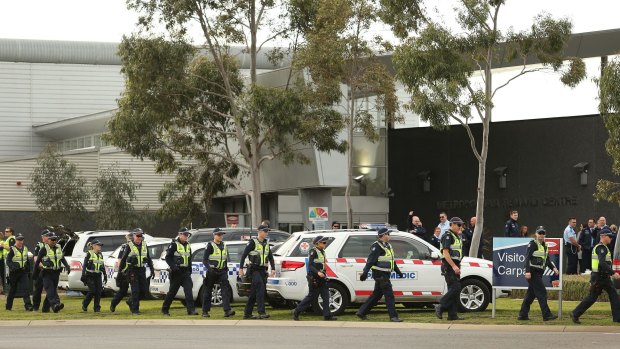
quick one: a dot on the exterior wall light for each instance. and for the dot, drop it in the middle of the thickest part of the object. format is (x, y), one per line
(502, 173)
(426, 180)
(582, 169)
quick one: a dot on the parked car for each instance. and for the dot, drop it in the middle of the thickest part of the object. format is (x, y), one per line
(76, 248)
(276, 237)
(346, 254)
(616, 263)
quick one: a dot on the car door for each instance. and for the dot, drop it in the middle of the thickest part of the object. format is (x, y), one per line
(351, 261)
(422, 275)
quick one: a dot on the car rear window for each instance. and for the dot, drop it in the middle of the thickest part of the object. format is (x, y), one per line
(304, 246)
(357, 246)
(110, 243)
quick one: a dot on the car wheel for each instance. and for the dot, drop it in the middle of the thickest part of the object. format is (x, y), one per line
(475, 296)
(216, 297)
(338, 300)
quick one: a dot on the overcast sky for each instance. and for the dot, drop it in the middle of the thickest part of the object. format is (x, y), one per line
(536, 95)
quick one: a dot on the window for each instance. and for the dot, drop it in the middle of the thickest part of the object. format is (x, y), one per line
(201, 237)
(304, 246)
(155, 251)
(110, 243)
(357, 246)
(278, 237)
(67, 250)
(235, 252)
(199, 255)
(410, 249)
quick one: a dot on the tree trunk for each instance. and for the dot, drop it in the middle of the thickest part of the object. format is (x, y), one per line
(256, 193)
(347, 193)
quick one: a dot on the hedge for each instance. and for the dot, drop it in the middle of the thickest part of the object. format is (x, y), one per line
(575, 288)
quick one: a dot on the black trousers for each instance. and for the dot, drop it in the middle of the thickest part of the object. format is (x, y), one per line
(50, 284)
(450, 301)
(139, 287)
(316, 286)
(586, 260)
(536, 289)
(122, 282)
(37, 290)
(18, 279)
(571, 259)
(178, 279)
(597, 286)
(383, 288)
(3, 273)
(257, 291)
(216, 277)
(95, 290)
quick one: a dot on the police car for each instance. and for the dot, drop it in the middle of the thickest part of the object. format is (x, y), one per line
(161, 283)
(346, 254)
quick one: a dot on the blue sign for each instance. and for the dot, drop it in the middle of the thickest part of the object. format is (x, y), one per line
(509, 263)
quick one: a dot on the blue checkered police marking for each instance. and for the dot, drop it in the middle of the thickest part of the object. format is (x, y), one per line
(200, 269)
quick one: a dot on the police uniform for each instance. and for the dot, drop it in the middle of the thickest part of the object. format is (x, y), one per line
(586, 241)
(600, 280)
(92, 274)
(51, 260)
(536, 261)
(259, 254)
(37, 277)
(179, 259)
(122, 282)
(216, 262)
(317, 285)
(133, 263)
(6, 246)
(511, 229)
(381, 262)
(19, 273)
(449, 302)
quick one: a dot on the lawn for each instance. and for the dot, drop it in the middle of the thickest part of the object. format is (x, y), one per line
(507, 310)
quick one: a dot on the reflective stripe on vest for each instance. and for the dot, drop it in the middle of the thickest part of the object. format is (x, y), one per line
(219, 257)
(96, 262)
(134, 252)
(595, 258)
(456, 248)
(52, 258)
(20, 257)
(4, 252)
(539, 257)
(319, 261)
(183, 253)
(385, 262)
(258, 256)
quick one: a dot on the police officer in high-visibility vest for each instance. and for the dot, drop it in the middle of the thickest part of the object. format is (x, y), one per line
(9, 241)
(50, 261)
(317, 280)
(600, 279)
(216, 262)
(133, 262)
(381, 262)
(37, 277)
(179, 259)
(536, 261)
(122, 281)
(451, 249)
(259, 254)
(19, 272)
(92, 274)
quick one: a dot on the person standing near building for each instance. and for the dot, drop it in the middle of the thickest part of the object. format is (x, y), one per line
(600, 279)
(417, 229)
(381, 262)
(571, 246)
(443, 225)
(601, 223)
(536, 260)
(511, 228)
(179, 259)
(259, 254)
(134, 262)
(19, 273)
(37, 277)
(335, 225)
(216, 262)
(452, 253)
(51, 261)
(317, 284)
(122, 281)
(586, 241)
(435, 240)
(92, 273)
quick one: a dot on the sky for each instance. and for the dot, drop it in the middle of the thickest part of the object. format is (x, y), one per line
(529, 97)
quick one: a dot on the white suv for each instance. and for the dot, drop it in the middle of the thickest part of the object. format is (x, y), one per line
(346, 254)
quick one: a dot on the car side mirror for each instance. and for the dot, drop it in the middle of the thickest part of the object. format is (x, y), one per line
(435, 255)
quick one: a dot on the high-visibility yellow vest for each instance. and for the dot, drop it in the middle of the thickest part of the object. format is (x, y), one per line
(539, 257)
(135, 258)
(258, 256)
(7, 245)
(595, 261)
(4, 251)
(319, 261)
(385, 262)
(219, 257)
(182, 254)
(20, 257)
(96, 262)
(53, 256)
(456, 248)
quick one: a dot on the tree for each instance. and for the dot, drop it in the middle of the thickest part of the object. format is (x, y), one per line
(113, 193)
(58, 189)
(437, 64)
(181, 106)
(609, 107)
(338, 49)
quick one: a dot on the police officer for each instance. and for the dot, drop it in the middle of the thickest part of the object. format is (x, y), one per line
(216, 262)
(452, 253)
(511, 228)
(51, 260)
(93, 271)
(317, 280)
(9, 241)
(19, 272)
(133, 263)
(122, 281)
(536, 260)
(179, 259)
(38, 276)
(600, 279)
(381, 262)
(259, 254)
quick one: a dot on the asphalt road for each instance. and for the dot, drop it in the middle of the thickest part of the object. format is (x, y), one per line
(273, 337)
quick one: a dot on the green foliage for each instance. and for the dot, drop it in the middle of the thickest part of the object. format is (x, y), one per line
(574, 288)
(58, 190)
(113, 193)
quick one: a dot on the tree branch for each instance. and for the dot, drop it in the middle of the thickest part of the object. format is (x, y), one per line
(521, 73)
(472, 140)
(236, 185)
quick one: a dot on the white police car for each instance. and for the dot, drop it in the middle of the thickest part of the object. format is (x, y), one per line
(346, 254)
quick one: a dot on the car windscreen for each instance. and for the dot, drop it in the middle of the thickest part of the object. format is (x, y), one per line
(201, 237)
(67, 250)
(304, 245)
(286, 246)
(110, 243)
